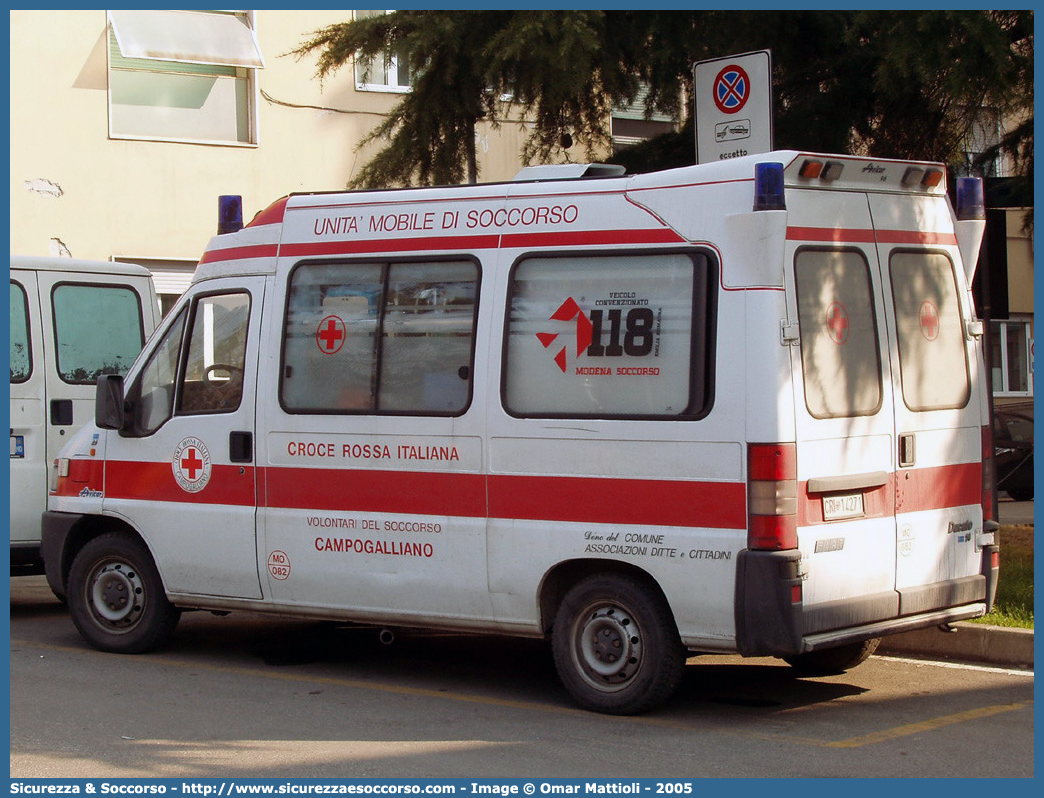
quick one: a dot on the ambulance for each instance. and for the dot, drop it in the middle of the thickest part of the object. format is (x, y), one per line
(71, 320)
(735, 407)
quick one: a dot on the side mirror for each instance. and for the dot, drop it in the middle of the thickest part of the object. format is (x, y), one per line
(108, 402)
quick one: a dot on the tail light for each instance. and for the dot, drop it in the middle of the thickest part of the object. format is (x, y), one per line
(988, 510)
(771, 496)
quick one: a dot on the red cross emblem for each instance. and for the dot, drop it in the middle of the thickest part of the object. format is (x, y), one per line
(929, 318)
(191, 464)
(568, 311)
(330, 335)
(837, 323)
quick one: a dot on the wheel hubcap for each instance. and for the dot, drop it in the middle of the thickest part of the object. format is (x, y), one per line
(609, 647)
(117, 596)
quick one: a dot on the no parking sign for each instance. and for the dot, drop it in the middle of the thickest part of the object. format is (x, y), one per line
(733, 106)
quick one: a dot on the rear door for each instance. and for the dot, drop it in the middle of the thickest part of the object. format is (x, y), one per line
(28, 430)
(936, 388)
(845, 423)
(80, 326)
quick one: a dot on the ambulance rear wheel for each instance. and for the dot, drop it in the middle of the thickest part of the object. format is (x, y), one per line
(829, 661)
(615, 645)
(116, 596)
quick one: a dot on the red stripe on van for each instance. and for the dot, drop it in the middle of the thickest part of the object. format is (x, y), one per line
(590, 237)
(273, 214)
(155, 482)
(720, 505)
(854, 236)
(240, 253)
(411, 492)
(915, 490)
(831, 234)
(937, 488)
(369, 246)
(916, 237)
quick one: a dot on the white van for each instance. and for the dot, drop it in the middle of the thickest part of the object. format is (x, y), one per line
(71, 320)
(735, 407)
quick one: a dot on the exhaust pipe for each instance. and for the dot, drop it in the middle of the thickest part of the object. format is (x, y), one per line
(386, 636)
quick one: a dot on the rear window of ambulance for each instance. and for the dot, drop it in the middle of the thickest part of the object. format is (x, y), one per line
(933, 360)
(840, 346)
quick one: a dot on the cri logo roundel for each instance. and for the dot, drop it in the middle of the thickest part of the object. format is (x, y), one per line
(191, 464)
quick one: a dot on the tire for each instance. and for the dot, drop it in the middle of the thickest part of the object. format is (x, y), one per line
(830, 661)
(616, 647)
(1024, 494)
(106, 575)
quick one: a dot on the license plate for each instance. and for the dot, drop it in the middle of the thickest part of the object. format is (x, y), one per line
(849, 505)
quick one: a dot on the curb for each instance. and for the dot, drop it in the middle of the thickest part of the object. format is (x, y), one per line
(972, 642)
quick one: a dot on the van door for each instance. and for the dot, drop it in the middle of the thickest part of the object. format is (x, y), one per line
(80, 325)
(938, 416)
(374, 499)
(29, 456)
(182, 472)
(845, 423)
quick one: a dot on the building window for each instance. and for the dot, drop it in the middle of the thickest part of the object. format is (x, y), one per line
(630, 125)
(1010, 358)
(171, 278)
(390, 72)
(183, 76)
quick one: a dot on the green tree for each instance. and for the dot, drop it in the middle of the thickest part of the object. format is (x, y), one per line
(555, 66)
(908, 84)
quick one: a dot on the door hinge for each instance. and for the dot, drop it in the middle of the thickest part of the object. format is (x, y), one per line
(788, 333)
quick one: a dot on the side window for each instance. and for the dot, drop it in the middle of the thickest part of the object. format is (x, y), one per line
(153, 394)
(609, 336)
(840, 347)
(21, 352)
(97, 330)
(200, 373)
(216, 357)
(393, 338)
(933, 362)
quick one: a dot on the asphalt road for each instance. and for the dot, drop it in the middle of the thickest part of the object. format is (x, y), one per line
(247, 696)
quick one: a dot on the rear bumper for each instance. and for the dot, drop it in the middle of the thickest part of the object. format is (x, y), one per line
(769, 622)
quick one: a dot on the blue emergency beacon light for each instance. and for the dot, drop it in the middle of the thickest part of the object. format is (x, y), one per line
(768, 187)
(230, 213)
(970, 202)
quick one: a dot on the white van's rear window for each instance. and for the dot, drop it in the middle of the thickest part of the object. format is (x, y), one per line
(840, 347)
(393, 338)
(21, 354)
(932, 357)
(97, 330)
(609, 336)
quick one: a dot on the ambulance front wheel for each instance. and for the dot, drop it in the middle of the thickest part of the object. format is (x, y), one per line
(116, 597)
(615, 645)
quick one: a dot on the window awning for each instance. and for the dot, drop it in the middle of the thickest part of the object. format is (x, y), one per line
(193, 37)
